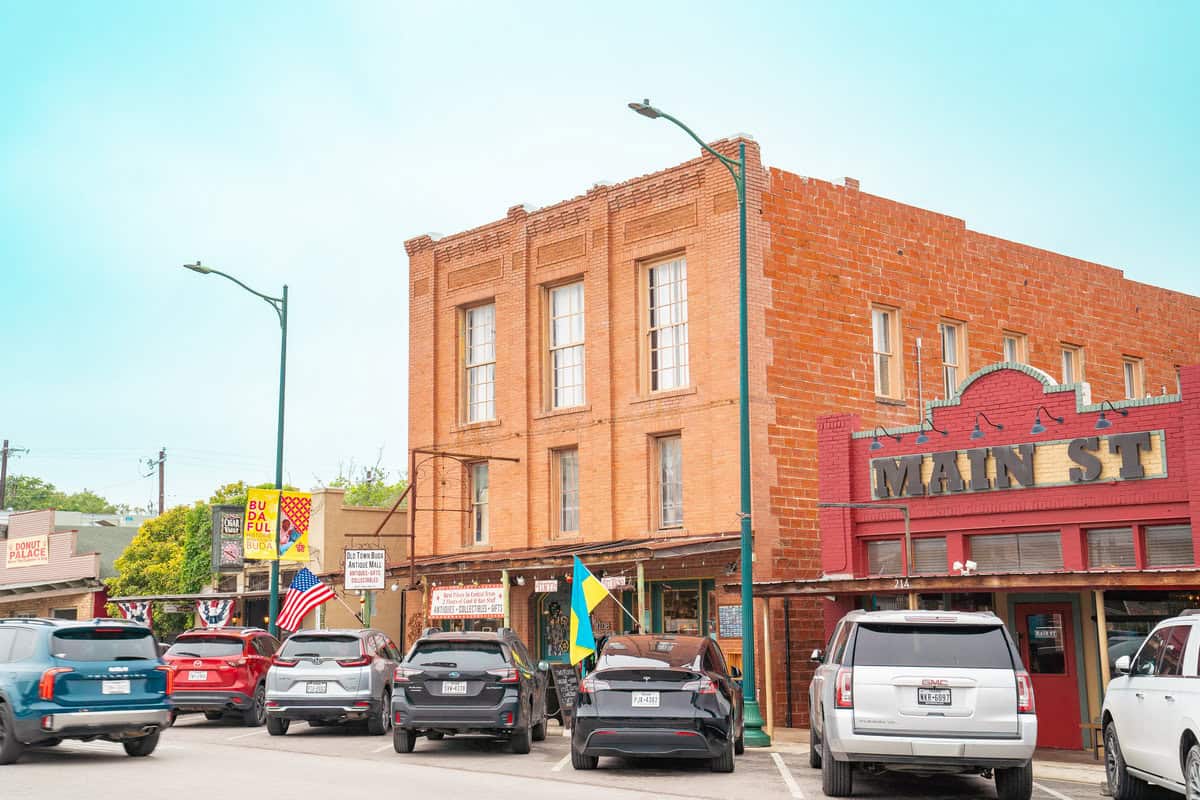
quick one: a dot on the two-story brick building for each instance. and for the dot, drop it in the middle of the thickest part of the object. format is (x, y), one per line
(593, 344)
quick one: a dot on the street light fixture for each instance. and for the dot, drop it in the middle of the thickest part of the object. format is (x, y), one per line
(754, 735)
(280, 305)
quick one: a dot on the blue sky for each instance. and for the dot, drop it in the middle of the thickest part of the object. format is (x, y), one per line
(304, 142)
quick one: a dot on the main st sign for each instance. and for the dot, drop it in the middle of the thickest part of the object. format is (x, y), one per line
(1117, 457)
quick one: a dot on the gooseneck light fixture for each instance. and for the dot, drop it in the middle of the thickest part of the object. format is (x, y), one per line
(1104, 422)
(923, 437)
(977, 432)
(875, 443)
(1038, 427)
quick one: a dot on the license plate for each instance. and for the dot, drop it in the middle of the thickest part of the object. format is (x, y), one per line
(645, 699)
(933, 697)
(454, 687)
(114, 687)
(315, 687)
(197, 675)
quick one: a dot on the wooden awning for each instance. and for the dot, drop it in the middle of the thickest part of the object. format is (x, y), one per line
(1186, 578)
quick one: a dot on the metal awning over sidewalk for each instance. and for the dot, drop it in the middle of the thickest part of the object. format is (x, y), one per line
(29, 591)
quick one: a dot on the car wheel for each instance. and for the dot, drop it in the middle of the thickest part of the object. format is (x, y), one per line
(256, 714)
(277, 726)
(521, 740)
(10, 748)
(378, 724)
(837, 777)
(539, 729)
(739, 744)
(141, 746)
(723, 762)
(1191, 773)
(213, 716)
(1121, 785)
(814, 753)
(581, 761)
(403, 741)
(1015, 783)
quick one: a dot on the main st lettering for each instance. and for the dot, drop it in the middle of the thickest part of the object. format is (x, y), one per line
(901, 477)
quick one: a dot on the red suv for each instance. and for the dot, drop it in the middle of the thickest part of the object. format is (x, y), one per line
(219, 670)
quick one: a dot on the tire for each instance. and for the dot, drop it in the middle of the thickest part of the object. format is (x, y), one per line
(1191, 773)
(141, 746)
(379, 724)
(213, 716)
(521, 740)
(538, 732)
(739, 744)
(581, 761)
(174, 718)
(403, 741)
(1015, 783)
(277, 726)
(256, 714)
(723, 762)
(1121, 785)
(814, 754)
(435, 736)
(10, 748)
(837, 777)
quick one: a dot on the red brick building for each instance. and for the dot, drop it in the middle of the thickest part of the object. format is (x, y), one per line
(594, 342)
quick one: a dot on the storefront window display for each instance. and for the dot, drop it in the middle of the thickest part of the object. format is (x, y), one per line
(1130, 616)
(956, 601)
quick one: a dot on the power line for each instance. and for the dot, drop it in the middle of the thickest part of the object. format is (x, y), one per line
(161, 464)
(4, 466)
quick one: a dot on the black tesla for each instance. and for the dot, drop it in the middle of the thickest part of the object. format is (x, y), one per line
(658, 695)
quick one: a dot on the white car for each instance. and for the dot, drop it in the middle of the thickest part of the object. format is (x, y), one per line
(922, 692)
(1151, 711)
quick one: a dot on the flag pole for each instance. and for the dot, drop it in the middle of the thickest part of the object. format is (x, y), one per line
(351, 610)
(636, 621)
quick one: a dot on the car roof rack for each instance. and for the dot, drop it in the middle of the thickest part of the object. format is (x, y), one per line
(226, 629)
(1189, 612)
(38, 620)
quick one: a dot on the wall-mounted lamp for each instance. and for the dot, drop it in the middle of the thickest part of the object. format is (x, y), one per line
(923, 437)
(1104, 421)
(395, 587)
(875, 443)
(520, 580)
(1038, 427)
(977, 433)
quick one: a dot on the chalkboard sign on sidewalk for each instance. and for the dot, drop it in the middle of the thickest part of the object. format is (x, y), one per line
(566, 686)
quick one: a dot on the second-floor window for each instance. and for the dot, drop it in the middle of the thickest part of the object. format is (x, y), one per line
(885, 334)
(566, 346)
(479, 359)
(1072, 363)
(670, 481)
(954, 355)
(479, 502)
(566, 483)
(1016, 347)
(668, 335)
(1134, 377)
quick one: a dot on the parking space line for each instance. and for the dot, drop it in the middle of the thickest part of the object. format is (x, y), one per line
(1051, 792)
(258, 732)
(562, 762)
(786, 774)
(381, 748)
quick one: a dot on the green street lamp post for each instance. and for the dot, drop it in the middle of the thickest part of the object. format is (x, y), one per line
(755, 736)
(280, 306)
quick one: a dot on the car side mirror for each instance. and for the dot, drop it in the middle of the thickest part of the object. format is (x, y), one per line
(1122, 665)
(735, 673)
(543, 666)
(817, 656)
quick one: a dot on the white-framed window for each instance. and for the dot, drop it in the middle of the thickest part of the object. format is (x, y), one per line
(668, 325)
(1134, 370)
(479, 362)
(566, 345)
(670, 481)
(566, 487)
(479, 502)
(885, 338)
(885, 557)
(1072, 363)
(1016, 347)
(954, 355)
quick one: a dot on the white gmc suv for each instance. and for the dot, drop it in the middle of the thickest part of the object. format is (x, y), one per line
(923, 692)
(1151, 714)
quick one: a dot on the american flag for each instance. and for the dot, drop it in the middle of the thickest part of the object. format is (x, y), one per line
(306, 593)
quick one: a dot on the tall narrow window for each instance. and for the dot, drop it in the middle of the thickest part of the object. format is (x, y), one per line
(954, 355)
(479, 502)
(1016, 348)
(668, 336)
(1072, 363)
(566, 346)
(479, 357)
(566, 483)
(670, 482)
(1134, 377)
(885, 335)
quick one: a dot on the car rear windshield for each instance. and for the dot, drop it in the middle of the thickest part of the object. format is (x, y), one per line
(649, 654)
(966, 646)
(458, 655)
(206, 647)
(104, 644)
(308, 646)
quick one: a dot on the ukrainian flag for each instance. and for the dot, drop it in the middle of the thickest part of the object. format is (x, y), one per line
(586, 593)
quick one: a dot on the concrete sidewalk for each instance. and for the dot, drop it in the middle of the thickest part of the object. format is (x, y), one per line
(1077, 766)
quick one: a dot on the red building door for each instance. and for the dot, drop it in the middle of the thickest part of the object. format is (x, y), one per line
(1046, 634)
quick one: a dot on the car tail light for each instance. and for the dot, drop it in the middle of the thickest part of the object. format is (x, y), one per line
(405, 674)
(46, 684)
(702, 685)
(276, 661)
(361, 661)
(170, 678)
(591, 684)
(506, 675)
(239, 662)
(506, 718)
(843, 696)
(1024, 694)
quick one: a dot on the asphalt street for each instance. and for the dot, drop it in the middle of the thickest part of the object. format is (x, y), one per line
(198, 759)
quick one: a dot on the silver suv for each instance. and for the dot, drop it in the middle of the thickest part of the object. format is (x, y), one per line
(922, 691)
(327, 677)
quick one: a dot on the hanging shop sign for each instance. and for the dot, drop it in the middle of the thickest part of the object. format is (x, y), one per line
(1065, 462)
(365, 569)
(466, 602)
(548, 586)
(614, 582)
(228, 522)
(30, 551)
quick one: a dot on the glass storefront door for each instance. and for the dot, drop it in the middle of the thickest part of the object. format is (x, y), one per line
(682, 607)
(554, 625)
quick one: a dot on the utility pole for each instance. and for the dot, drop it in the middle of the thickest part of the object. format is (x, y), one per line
(161, 464)
(4, 451)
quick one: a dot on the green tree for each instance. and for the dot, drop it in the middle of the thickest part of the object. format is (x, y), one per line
(154, 564)
(88, 502)
(368, 486)
(27, 493)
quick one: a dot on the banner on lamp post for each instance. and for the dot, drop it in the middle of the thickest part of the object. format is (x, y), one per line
(258, 532)
(228, 523)
(295, 510)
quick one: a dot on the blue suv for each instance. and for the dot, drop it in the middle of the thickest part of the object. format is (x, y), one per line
(62, 679)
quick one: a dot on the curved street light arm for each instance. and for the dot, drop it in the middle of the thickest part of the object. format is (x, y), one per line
(275, 302)
(735, 169)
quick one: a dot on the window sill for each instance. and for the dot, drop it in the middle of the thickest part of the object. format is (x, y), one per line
(891, 401)
(666, 394)
(474, 426)
(563, 412)
(668, 533)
